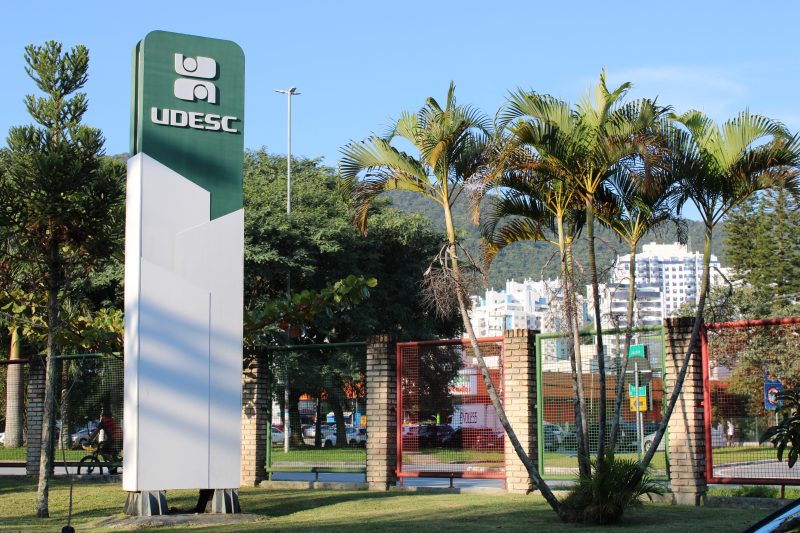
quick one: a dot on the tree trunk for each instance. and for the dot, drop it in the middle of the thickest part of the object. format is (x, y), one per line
(50, 388)
(538, 482)
(334, 400)
(318, 421)
(598, 327)
(627, 346)
(693, 341)
(66, 420)
(294, 419)
(15, 398)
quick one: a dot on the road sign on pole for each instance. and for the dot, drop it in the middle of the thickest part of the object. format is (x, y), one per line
(640, 402)
(637, 350)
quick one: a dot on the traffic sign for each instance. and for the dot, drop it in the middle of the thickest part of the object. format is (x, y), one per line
(642, 404)
(771, 390)
(637, 350)
(632, 390)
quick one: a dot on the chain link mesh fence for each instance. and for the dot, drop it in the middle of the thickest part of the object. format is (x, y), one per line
(746, 365)
(447, 424)
(322, 392)
(556, 413)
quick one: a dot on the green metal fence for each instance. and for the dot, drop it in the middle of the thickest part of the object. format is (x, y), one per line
(321, 389)
(556, 399)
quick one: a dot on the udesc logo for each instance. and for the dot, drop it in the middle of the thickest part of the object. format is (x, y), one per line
(194, 85)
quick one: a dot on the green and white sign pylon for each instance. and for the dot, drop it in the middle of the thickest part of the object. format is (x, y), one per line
(184, 265)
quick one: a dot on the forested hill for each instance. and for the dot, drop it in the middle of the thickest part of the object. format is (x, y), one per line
(530, 259)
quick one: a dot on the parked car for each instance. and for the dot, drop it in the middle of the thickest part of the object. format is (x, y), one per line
(277, 436)
(327, 439)
(475, 438)
(553, 436)
(356, 436)
(2, 438)
(82, 435)
(626, 439)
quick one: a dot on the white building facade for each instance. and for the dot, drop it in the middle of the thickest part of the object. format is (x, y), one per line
(666, 277)
(530, 304)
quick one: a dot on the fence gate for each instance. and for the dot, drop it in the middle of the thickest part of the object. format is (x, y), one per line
(446, 425)
(744, 365)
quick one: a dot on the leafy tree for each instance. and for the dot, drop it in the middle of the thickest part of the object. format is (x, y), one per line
(316, 245)
(450, 141)
(763, 246)
(56, 203)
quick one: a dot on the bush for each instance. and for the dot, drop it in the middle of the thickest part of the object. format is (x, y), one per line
(755, 491)
(603, 497)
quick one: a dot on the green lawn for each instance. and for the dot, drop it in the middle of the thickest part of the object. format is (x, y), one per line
(332, 511)
(19, 454)
(320, 455)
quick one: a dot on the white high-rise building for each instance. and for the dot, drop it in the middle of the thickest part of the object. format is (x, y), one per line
(666, 277)
(527, 305)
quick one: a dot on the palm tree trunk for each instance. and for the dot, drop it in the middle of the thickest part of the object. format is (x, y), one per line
(693, 341)
(538, 482)
(570, 303)
(627, 346)
(15, 399)
(598, 327)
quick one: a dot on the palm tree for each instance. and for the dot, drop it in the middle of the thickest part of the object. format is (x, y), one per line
(597, 134)
(719, 168)
(535, 203)
(451, 142)
(639, 197)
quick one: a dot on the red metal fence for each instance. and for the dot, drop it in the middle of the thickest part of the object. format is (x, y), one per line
(446, 424)
(744, 364)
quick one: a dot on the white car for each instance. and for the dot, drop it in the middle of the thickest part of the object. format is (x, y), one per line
(81, 437)
(277, 436)
(2, 438)
(328, 435)
(356, 436)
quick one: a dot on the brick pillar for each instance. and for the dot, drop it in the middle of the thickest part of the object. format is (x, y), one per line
(519, 373)
(255, 420)
(35, 412)
(381, 412)
(687, 446)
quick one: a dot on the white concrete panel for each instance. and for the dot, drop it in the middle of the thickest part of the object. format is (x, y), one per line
(212, 256)
(133, 212)
(170, 204)
(173, 382)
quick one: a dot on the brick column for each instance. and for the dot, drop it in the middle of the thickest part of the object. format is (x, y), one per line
(381, 412)
(519, 376)
(687, 446)
(35, 412)
(255, 419)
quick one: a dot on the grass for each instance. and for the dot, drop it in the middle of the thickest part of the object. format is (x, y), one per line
(332, 512)
(740, 454)
(19, 454)
(320, 455)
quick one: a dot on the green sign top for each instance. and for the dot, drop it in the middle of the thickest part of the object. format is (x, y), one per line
(637, 350)
(188, 111)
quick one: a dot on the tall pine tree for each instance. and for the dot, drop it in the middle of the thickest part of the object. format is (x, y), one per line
(56, 205)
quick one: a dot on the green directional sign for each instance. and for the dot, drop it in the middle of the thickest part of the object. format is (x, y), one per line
(637, 350)
(632, 391)
(188, 111)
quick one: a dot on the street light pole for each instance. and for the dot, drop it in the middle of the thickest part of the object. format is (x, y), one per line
(292, 91)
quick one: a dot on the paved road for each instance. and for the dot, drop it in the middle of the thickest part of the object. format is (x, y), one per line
(770, 469)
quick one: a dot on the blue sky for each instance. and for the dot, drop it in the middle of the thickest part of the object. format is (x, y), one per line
(359, 64)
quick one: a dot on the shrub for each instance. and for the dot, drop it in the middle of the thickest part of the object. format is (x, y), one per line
(602, 497)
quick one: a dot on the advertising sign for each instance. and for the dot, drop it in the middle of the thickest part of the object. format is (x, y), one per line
(184, 244)
(466, 382)
(771, 389)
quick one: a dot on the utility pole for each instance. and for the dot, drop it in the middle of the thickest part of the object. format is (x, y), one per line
(292, 91)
